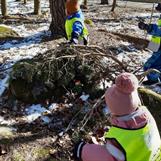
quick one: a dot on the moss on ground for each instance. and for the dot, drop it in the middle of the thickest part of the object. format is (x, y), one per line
(153, 101)
(41, 152)
(18, 157)
(6, 33)
(5, 132)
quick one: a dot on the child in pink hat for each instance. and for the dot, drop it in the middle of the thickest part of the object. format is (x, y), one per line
(133, 135)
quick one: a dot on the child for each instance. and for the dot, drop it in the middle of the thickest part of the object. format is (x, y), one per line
(74, 25)
(133, 135)
(155, 60)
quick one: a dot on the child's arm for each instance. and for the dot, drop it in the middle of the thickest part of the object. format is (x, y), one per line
(95, 152)
(155, 30)
(151, 29)
(77, 31)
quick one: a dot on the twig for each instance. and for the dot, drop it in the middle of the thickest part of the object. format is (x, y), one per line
(90, 113)
(71, 122)
(104, 53)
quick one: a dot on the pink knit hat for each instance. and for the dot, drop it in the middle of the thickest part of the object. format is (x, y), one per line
(122, 98)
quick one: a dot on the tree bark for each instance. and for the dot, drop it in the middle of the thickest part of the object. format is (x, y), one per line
(84, 5)
(113, 5)
(57, 8)
(37, 7)
(25, 1)
(4, 7)
(104, 2)
(152, 100)
(85, 2)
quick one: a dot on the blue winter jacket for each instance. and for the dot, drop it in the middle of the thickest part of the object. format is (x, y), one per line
(77, 26)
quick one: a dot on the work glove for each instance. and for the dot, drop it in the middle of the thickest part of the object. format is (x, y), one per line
(77, 151)
(158, 7)
(144, 26)
(74, 38)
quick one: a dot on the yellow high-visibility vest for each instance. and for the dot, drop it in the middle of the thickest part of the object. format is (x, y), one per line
(155, 42)
(69, 26)
(143, 144)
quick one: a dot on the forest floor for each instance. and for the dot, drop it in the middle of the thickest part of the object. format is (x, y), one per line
(36, 132)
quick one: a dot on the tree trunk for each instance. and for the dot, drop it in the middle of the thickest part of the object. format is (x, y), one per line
(4, 7)
(113, 5)
(37, 7)
(57, 8)
(25, 1)
(104, 2)
(85, 2)
(84, 5)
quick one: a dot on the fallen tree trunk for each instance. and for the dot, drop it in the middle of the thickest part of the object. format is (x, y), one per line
(140, 43)
(153, 101)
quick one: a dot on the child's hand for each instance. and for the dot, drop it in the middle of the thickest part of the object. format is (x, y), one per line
(142, 26)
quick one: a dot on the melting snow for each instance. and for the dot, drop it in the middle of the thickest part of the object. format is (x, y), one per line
(84, 97)
(3, 84)
(36, 111)
(53, 106)
(28, 47)
(6, 122)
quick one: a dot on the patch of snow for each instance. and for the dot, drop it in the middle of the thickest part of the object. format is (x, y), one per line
(3, 84)
(53, 106)
(16, 7)
(106, 110)
(46, 119)
(33, 117)
(104, 84)
(113, 26)
(61, 134)
(35, 111)
(84, 97)
(156, 88)
(145, 15)
(6, 122)
(120, 56)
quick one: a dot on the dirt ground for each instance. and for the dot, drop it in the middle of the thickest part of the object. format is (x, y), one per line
(36, 141)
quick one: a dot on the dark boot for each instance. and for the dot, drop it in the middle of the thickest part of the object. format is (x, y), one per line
(86, 40)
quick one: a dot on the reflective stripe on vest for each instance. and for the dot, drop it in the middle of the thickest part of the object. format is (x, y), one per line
(154, 45)
(69, 27)
(137, 144)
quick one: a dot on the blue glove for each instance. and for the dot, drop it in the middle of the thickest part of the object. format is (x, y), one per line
(77, 151)
(158, 7)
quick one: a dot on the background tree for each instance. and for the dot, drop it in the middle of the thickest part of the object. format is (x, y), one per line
(104, 2)
(113, 5)
(25, 1)
(85, 2)
(57, 26)
(37, 7)
(4, 7)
